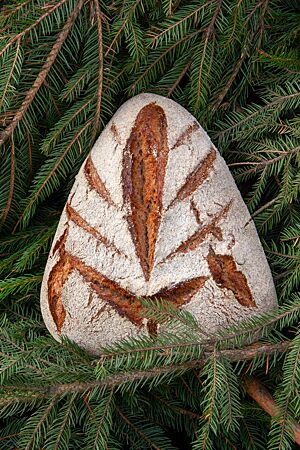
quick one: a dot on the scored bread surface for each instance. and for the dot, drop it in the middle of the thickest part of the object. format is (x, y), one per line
(154, 212)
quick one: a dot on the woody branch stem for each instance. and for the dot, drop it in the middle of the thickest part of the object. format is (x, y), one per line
(260, 394)
(114, 381)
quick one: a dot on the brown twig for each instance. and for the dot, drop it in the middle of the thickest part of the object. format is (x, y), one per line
(181, 75)
(207, 35)
(6, 210)
(100, 70)
(30, 143)
(115, 380)
(259, 210)
(260, 394)
(42, 75)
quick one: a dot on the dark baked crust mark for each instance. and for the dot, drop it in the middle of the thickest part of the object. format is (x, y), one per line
(186, 134)
(115, 133)
(196, 178)
(144, 165)
(60, 242)
(196, 212)
(181, 293)
(201, 234)
(75, 217)
(224, 272)
(124, 302)
(95, 181)
(96, 316)
(90, 299)
(56, 280)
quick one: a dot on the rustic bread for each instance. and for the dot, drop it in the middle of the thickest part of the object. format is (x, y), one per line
(154, 212)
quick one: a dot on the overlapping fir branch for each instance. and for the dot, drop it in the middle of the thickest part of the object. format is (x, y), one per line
(65, 67)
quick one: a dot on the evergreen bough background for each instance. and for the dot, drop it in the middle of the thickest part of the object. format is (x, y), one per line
(65, 68)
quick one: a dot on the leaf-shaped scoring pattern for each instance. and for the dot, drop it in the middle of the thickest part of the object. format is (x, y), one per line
(224, 271)
(144, 162)
(123, 301)
(144, 165)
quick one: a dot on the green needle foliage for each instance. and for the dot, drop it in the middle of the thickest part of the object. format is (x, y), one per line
(65, 68)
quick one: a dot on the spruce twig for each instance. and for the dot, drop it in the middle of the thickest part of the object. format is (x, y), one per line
(114, 381)
(260, 394)
(19, 36)
(66, 150)
(42, 75)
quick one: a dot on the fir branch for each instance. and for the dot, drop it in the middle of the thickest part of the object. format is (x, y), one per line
(62, 36)
(73, 87)
(30, 167)
(231, 79)
(161, 57)
(16, 362)
(20, 284)
(249, 92)
(124, 23)
(181, 75)
(137, 430)
(163, 36)
(179, 410)
(287, 401)
(284, 255)
(210, 405)
(258, 110)
(261, 209)
(35, 430)
(62, 125)
(116, 380)
(60, 437)
(10, 76)
(233, 336)
(266, 162)
(19, 36)
(33, 199)
(102, 422)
